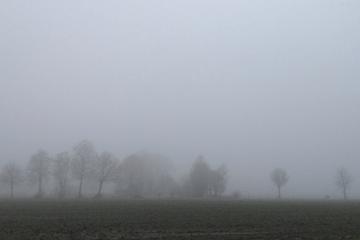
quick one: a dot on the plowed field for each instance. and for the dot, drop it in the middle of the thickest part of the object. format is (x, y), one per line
(178, 219)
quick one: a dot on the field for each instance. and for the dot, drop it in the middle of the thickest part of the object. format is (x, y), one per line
(178, 219)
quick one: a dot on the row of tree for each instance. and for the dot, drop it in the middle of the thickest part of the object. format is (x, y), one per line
(82, 165)
(140, 174)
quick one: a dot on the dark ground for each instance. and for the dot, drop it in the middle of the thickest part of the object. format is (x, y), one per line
(178, 219)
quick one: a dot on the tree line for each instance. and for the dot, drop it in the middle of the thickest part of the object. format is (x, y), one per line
(140, 174)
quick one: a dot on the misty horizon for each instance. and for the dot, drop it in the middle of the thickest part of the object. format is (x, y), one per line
(251, 84)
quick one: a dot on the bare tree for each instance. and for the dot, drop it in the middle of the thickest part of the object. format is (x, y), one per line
(38, 169)
(11, 174)
(343, 180)
(84, 156)
(279, 177)
(106, 170)
(61, 168)
(218, 180)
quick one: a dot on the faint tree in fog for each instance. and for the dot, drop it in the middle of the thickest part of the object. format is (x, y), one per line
(169, 186)
(204, 180)
(84, 155)
(145, 173)
(217, 181)
(133, 176)
(11, 174)
(61, 168)
(162, 165)
(185, 189)
(199, 177)
(343, 180)
(236, 194)
(105, 170)
(279, 177)
(38, 169)
(159, 168)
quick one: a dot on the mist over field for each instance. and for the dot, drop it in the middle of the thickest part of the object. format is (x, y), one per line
(254, 85)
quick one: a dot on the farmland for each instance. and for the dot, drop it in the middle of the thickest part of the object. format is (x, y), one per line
(178, 219)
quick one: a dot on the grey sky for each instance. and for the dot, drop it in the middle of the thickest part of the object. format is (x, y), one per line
(253, 84)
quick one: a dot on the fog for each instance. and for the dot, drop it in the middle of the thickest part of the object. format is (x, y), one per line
(254, 85)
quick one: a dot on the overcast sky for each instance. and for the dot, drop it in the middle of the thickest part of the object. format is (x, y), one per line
(252, 84)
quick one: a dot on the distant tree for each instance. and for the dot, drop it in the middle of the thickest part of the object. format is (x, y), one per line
(38, 170)
(61, 169)
(217, 181)
(279, 177)
(84, 156)
(185, 188)
(133, 176)
(169, 186)
(145, 173)
(159, 168)
(11, 174)
(236, 194)
(343, 180)
(106, 170)
(199, 177)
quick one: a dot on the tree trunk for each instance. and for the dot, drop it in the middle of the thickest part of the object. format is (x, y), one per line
(101, 183)
(279, 192)
(344, 193)
(98, 195)
(80, 188)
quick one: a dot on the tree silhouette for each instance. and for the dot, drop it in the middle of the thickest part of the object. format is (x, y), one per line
(11, 174)
(38, 169)
(133, 176)
(218, 180)
(199, 177)
(279, 177)
(61, 168)
(106, 170)
(84, 156)
(343, 180)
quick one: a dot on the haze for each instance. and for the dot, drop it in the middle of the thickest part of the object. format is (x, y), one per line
(252, 84)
